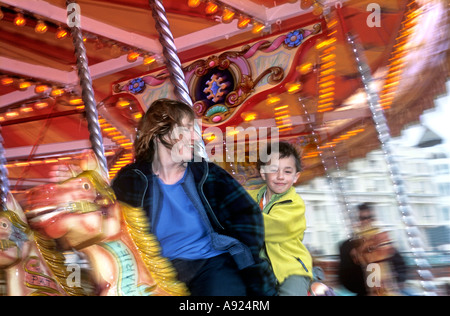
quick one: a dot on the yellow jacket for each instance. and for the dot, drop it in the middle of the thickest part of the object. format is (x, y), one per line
(285, 224)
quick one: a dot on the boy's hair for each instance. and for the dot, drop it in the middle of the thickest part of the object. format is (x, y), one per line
(284, 149)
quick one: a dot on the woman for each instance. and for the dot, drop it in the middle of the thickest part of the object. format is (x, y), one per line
(208, 226)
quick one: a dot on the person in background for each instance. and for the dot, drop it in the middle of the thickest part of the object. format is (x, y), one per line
(206, 223)
(284, 220)
(350, 272)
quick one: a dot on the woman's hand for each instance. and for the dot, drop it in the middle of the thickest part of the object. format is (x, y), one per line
(60, 173)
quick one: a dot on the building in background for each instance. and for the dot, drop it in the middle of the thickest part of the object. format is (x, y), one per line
(426, 173)
(423, 154)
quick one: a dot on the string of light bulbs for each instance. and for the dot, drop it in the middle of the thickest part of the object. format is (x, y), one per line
(22, 19)
(228, 13)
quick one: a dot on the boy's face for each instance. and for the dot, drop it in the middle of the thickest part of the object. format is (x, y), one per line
(280, 174)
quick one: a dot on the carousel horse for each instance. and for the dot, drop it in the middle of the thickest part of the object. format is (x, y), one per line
(23, 271)
(82, 214)
(373, 251)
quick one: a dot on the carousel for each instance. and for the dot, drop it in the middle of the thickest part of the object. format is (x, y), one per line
(335, 78)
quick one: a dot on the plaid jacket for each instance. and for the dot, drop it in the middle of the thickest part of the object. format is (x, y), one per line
(230, 210)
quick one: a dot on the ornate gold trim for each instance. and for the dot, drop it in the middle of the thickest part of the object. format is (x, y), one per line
(149, 248)
(40, 289)
(55, 262)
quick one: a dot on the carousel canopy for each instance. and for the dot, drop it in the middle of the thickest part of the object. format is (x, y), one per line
(255, 64)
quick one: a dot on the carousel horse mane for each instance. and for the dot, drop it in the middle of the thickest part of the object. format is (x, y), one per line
(20, 229)
(19, 232)
(90, 193)
(56, 263)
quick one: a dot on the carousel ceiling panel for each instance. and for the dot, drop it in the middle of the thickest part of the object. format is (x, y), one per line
(54, 130)
(115, 28)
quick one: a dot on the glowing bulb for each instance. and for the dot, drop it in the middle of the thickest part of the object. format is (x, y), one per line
(23, 85)
(61, 33)
(194, 3)
(122, 103)
(20, 20)
(26, 109)
(76, 100)
(209, 136)
(6, 81)
(243, 22)
(57, 92)
(227, 15)
(211, 8)
(41, 88)
(133, 56)
(294, 87)
(41, 27)
(149, 60)
(273, 100)
(305, 68)
(257, 28)
(137, 116)
(248, 117)
(41, 105)
(12, 114)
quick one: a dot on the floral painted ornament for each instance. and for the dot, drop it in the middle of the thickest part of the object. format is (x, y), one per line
(294, 38)
(136, 86)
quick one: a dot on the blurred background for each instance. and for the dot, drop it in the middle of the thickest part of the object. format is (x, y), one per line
(423, 151)
(284, 64)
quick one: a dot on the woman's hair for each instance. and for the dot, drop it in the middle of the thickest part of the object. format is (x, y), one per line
(159, 120)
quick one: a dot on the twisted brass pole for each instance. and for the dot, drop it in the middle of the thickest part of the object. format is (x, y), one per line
(4, 182)
(95, 134)
(170, 52)
(174, 65)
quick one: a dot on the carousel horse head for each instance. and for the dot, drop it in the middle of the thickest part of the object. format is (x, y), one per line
(77, 212)
(14, 234)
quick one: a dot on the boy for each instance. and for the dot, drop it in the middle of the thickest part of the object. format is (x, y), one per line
(284, 220)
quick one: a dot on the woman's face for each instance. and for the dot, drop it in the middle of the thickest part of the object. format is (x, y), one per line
(183, 137)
